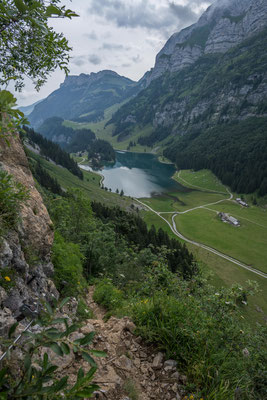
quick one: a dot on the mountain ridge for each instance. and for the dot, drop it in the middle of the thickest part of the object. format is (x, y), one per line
(84, 98)
(222, 26)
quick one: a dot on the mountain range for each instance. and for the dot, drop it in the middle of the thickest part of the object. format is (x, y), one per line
(207, 78)
(84, 98)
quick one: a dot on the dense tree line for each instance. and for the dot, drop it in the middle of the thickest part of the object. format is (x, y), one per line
(54, 129)
(46, 180)
(133, 228)
(101, 148)
(81, 140)
(53, 151)
(157, 135)
(236, 153)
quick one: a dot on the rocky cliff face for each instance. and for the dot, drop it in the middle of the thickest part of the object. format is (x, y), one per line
(224, 25)
(25, 251)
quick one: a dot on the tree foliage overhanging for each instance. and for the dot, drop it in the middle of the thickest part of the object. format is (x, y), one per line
(28, 45)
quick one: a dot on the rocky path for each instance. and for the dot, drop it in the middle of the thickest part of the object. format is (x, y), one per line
(132, 370)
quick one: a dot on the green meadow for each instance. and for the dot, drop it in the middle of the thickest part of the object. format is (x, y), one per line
(183, 201)
(203, 179)
(247, 243)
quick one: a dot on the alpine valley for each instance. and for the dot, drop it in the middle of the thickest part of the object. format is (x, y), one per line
(204, 100)
(143, 202)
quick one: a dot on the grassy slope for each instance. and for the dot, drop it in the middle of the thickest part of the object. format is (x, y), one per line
(224, 273)
(182, 201)
(247, 243)
(203, 179)
(105, 132)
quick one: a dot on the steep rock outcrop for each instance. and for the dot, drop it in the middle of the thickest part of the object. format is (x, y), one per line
(26, 251)
(224, 25)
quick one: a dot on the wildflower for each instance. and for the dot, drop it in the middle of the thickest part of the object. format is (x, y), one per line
(191, 397)
(217, 294)
(245, 352)
(7, 278)
(227, 302)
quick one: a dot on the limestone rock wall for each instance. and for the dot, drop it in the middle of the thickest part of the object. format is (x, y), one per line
(25, 251)
(224, 25)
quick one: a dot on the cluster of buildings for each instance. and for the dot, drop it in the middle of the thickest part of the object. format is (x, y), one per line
(241, 202)
(228, 219)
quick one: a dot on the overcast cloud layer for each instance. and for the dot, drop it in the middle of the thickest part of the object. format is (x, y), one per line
(121, 35)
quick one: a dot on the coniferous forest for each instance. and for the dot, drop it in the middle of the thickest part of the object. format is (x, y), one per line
(235, 152)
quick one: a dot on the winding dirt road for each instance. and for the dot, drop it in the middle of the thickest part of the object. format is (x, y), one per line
(203, 246)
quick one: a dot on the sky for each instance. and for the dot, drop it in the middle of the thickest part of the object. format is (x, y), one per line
(121, 35)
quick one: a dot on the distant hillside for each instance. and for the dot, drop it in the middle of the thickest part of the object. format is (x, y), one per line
(52, 151)
(74, 141)
(68, 138)
(217, 88)
(84, 98)
(28, 109)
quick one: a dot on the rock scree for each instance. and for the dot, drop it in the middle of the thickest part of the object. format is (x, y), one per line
(132, 370)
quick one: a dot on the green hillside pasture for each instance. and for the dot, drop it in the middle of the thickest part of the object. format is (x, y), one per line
(182, 201)
(256, 215)
(89, 185)
(223, 272)
(153, 219)
(203, 179)
(105, 132)
(247, 243)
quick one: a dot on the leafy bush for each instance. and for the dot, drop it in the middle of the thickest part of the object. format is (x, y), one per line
(201, 328)
(12, 196)
(108, 295)
(83, 311)
(67, 260)
(38, 379)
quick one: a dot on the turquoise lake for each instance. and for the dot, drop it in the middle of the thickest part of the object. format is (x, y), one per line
(139, 175)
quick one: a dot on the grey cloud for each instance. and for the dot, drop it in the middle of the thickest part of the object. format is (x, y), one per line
(184, 13)
(142, 13)
(94, 59)
(79, 61)
(137, 59)
(92, 35)
(114, 46)
(126, 65)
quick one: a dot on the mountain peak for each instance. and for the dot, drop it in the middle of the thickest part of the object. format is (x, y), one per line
(88, 79)
(225, 24)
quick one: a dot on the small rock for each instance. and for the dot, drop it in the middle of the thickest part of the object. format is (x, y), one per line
(168, 368)
(183, 379)
(157, 362)
(175, 375)
(142, 354)
(130, 326)
(170, 363)
(137, 363)
(124, 363)
(88, 328)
